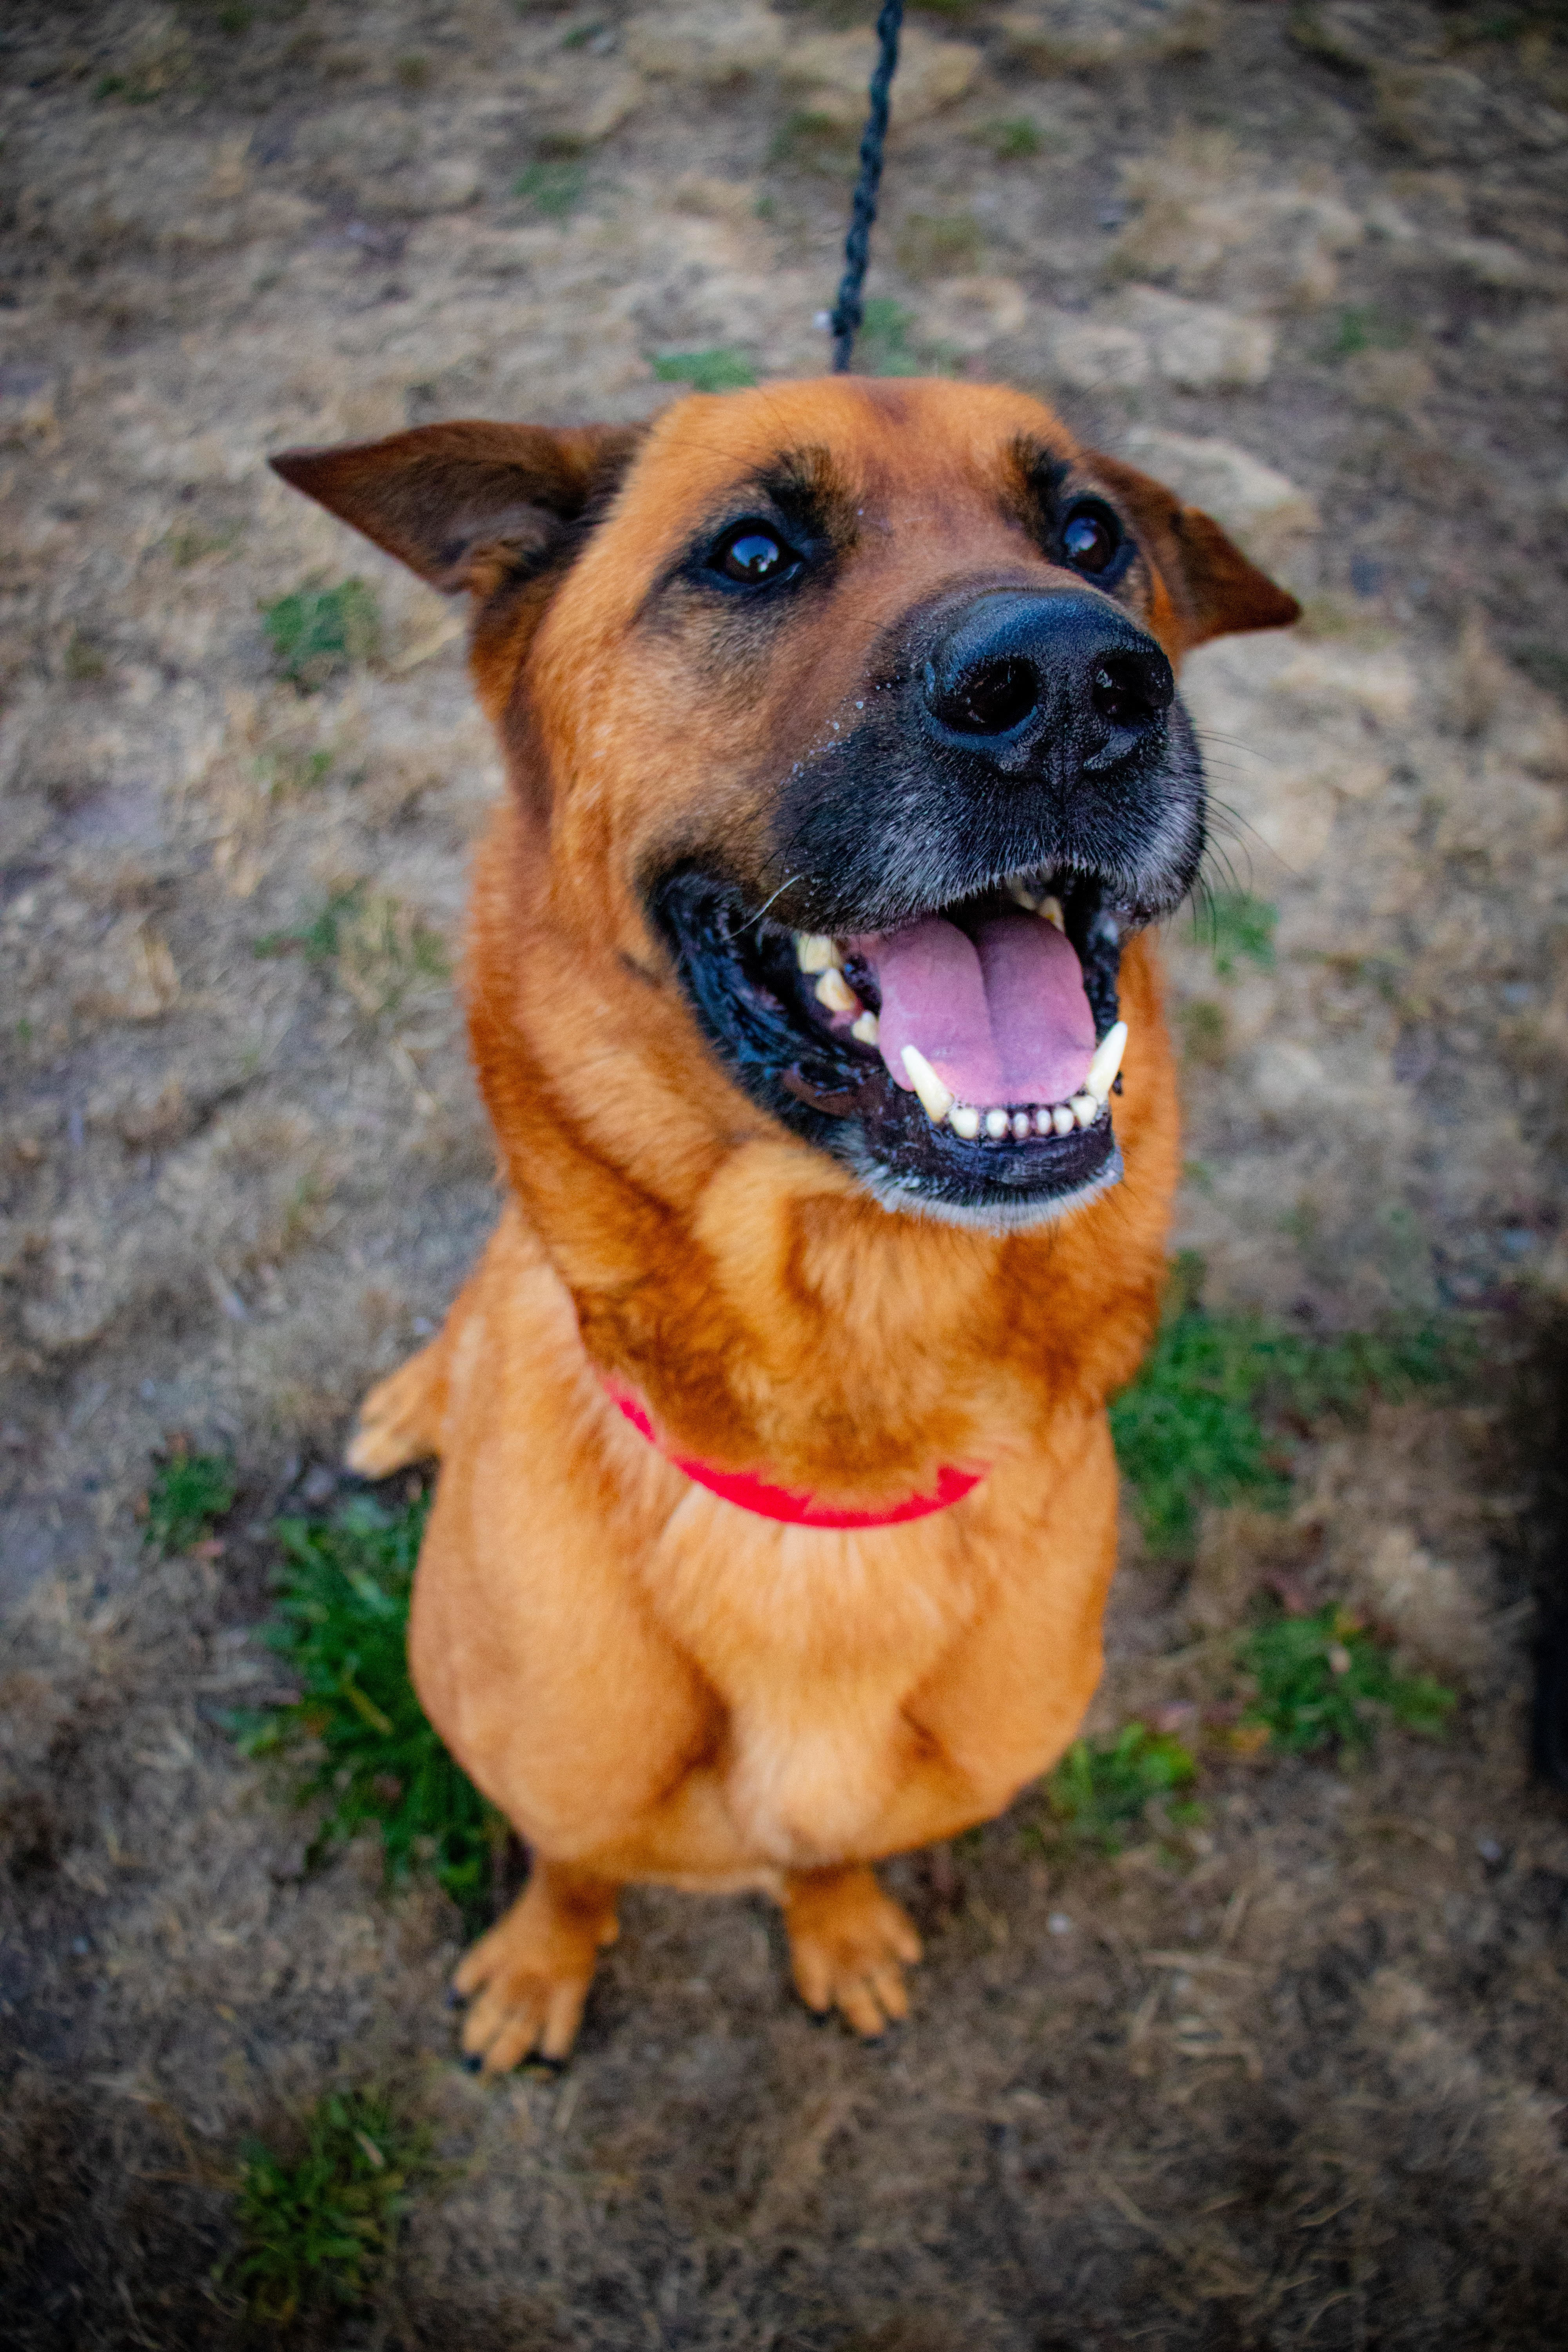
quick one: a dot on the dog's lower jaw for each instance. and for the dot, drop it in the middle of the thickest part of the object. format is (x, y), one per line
(901, 1197)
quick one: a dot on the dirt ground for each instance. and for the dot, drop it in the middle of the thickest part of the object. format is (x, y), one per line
(1299, 2078)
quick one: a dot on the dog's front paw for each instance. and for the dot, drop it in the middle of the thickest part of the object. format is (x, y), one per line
(848, 1947)
(400, 1419)
(529, 1978)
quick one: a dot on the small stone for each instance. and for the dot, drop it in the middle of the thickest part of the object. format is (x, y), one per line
(1090, 353)
(714, 45)
(1198, 346)
(832, 72)
(1090, 35)
(968, 313)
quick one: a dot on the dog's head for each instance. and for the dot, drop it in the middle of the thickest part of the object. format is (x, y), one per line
(848, 710)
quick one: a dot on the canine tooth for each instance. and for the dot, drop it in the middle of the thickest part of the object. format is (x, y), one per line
(1021, 1125)
(996, 1124)
(1062, 1120)
(865, 1031)
(834, 991)
(1085, 1110)
(1106, 1062)
(1022, 897)
(935, 1098)
(965, 1121)
(813, 952)
(1051, 910)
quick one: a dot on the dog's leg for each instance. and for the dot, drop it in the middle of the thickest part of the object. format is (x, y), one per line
(532, 1971)
(400, 1419)
(848, 1945)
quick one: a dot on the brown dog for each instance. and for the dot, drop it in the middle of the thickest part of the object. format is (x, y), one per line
(845, 768)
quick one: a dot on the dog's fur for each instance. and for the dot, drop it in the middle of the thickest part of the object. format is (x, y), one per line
(651, 1683)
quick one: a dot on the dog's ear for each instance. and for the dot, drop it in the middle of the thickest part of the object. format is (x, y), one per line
(1217, 592)
(469, 505)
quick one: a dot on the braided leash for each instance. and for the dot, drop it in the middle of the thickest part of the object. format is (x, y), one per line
(847, 312)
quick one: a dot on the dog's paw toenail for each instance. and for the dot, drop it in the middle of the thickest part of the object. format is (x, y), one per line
(472, 2063)
(455, 2000)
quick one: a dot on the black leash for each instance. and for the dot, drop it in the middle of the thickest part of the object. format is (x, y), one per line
(845, 322)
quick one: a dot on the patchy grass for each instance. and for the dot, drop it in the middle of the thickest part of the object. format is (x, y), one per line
(1323, 1681)
(1210, 1417)
(815, 142)
(357, 1736)
(553, 190)
(380, 948)
(317, 633)
(1011, 138)
(1103, 1788)
(939, 244)
(715, 370)
(319, 938)
(187, 1493)
(1362, 329)
(1204, 1032)
(1545, 665)
(1240, 930)
(316, 2228)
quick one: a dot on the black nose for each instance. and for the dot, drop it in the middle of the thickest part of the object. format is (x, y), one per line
(1071, 665)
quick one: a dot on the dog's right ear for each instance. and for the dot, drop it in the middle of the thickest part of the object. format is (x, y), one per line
(469, 505)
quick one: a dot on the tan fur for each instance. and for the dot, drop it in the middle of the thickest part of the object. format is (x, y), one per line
(652, 1684)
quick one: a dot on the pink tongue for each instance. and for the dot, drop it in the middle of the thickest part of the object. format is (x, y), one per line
(1002, 1019)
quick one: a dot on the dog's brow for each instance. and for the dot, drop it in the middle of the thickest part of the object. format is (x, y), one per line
(808, 485)
(1032, 480)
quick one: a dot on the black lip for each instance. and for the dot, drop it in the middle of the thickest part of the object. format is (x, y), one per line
(740, 973)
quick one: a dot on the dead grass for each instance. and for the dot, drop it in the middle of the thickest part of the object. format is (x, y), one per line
(1290, 2074)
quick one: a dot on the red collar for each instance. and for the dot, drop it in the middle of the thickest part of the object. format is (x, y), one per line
(802, 1510)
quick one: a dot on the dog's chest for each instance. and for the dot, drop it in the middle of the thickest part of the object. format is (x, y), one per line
(814, 1643)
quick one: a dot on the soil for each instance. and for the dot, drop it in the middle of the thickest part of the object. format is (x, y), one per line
(1295, 2077)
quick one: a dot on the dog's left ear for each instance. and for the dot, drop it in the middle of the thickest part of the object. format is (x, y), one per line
(469, 505)
(1214, 589)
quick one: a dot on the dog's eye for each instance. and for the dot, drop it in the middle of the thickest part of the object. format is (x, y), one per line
(1091, 537)
(753, 554)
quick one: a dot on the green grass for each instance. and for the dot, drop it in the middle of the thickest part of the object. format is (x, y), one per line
(1323, 1681)
(1362, 329)
(319, 938)
(317, 633)
(1210, 1416)
(1011, 138)
(554, 190)
(1240, 930)
(715, 370)
(316, 2228)
(187, 1493)
(1103, 1788)
(815, 142)
(883, 345)
(1545, 665)
(357, 1737)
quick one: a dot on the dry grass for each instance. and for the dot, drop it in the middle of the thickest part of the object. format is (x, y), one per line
(1288, 2075)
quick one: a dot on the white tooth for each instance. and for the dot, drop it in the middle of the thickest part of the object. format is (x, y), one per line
(1022, 897)
(1106, 1062)
(935, 1098)
(965, 1121)
(813, 952)
(1020, 1125)
(1085, 1110)
(1044, 1122)
(996, 1124)
(865, 1031)
(1062, 1120)
(834, 991)
(1051, 910)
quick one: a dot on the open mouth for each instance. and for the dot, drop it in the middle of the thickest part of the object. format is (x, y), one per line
(964, 1064)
